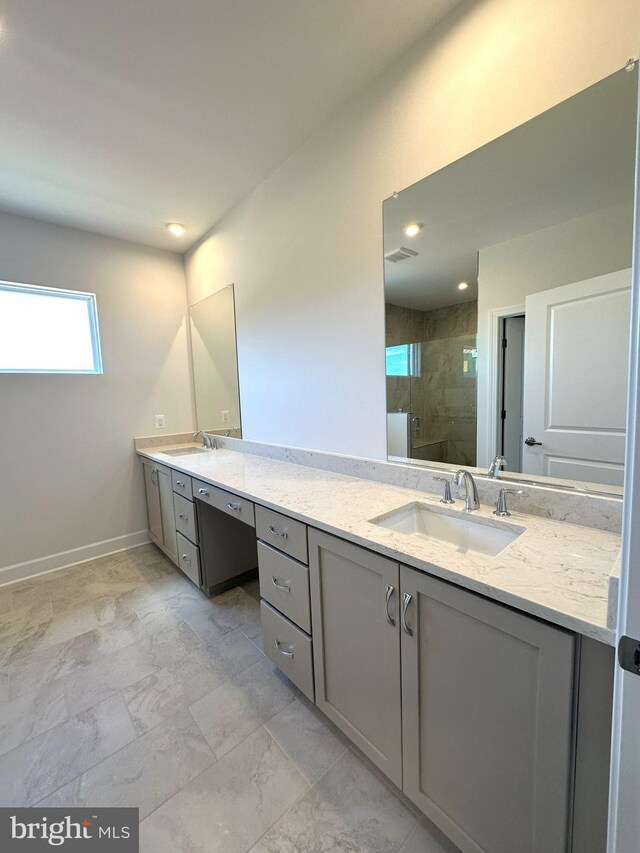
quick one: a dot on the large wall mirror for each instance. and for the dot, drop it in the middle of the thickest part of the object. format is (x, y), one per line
(215, 363)
(507, 291)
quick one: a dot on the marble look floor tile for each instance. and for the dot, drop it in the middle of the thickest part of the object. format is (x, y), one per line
(58, 630)
(170, 641)
(348, 809)
(143, 774)
(56, 661)
(426, 838)
(13, 621)
(93, 682)
(235, 709)
(229, 806)
(5, 599)
(4, 688)
(177, 604)
(43, 764)
(310, 740)
(163, 694)
(88, 593)
(252, 588)
(232, 609)
(31, 715)
(233, 653)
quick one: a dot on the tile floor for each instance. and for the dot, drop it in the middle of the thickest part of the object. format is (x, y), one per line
(122, 684)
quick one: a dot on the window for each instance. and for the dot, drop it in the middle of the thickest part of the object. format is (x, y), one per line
(46, 330)
(403, 360)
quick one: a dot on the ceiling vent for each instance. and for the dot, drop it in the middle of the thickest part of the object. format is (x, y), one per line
(401, 254)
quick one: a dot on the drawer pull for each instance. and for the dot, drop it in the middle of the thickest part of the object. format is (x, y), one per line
(182, 516)
(282, 533)
(180, 483)
(285, 587)
(406, 600)
(282, 651)
(234, 507)
(185, 557)
(387, 598)
(203, 491)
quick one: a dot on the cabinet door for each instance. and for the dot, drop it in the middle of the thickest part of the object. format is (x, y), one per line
(153, 501)
(487, 720)
(168, 516)
(356, 649)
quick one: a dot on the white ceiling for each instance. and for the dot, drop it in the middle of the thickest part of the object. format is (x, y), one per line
(120, 115)
(573, 159)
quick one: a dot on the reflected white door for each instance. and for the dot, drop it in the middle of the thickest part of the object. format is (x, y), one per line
(575, 386)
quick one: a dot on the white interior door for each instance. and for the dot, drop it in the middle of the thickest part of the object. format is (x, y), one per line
(575, 385)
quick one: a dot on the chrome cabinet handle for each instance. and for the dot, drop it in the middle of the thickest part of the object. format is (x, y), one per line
(282, 533)
(282, 652)
(406, 600)
(182, 516)
(185, 557)
(154, 476)
(234, 507)
(180, 483)
(285, 587)
(203, 491)
(387, 598)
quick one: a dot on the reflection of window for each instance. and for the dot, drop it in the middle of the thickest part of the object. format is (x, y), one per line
(403, 360)
(45, 330)
(470, 361)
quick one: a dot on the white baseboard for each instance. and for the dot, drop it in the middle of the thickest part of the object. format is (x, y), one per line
(64, 559)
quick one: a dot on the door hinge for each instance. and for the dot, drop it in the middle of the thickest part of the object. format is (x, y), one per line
(504, 343)
(629, 654)
(503, 415)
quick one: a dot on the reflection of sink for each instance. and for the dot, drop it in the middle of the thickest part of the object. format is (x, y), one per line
(464, 532)
(186, 451)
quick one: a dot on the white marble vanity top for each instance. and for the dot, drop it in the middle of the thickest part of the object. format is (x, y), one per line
(555, 570)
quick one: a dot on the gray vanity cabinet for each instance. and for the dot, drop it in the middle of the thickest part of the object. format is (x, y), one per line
(356, 648)
(159, 492)
(487, 719)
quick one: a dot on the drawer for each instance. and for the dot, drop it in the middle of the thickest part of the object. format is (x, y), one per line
(189, 559)
(285, 584)
(185, 513)
(289, 648)
(181, 484)
(283, 533)
(226, 501)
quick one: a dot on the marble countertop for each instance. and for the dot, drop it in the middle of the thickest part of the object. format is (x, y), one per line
(555, 570)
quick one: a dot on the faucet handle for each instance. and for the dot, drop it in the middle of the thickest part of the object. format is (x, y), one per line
(501, 509)
(446, 498)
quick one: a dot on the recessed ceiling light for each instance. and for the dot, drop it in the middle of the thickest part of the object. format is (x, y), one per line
(463, 285)
(412, 228)
(175, 228)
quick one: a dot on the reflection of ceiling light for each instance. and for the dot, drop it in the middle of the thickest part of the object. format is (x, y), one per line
(412, 228)
(175, 228)
(463, 285)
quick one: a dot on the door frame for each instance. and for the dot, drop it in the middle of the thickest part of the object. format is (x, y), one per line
(494, 360)
(624, 788)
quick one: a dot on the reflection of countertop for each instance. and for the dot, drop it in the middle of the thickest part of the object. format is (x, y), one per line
(554, 570)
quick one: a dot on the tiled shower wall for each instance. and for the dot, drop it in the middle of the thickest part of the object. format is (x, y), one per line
(444, 395)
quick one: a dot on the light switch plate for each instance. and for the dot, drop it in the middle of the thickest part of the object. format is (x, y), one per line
(225, 416)
(160, 422)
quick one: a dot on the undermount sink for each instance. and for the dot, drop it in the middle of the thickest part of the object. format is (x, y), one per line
(464, 532)
(186, 451)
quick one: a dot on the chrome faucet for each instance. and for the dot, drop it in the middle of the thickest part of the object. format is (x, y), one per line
(471, 500)
(230, 430)
(446, 497)
(496, 465)
(209, 441)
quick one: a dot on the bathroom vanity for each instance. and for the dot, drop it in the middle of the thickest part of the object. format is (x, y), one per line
(477, 677)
